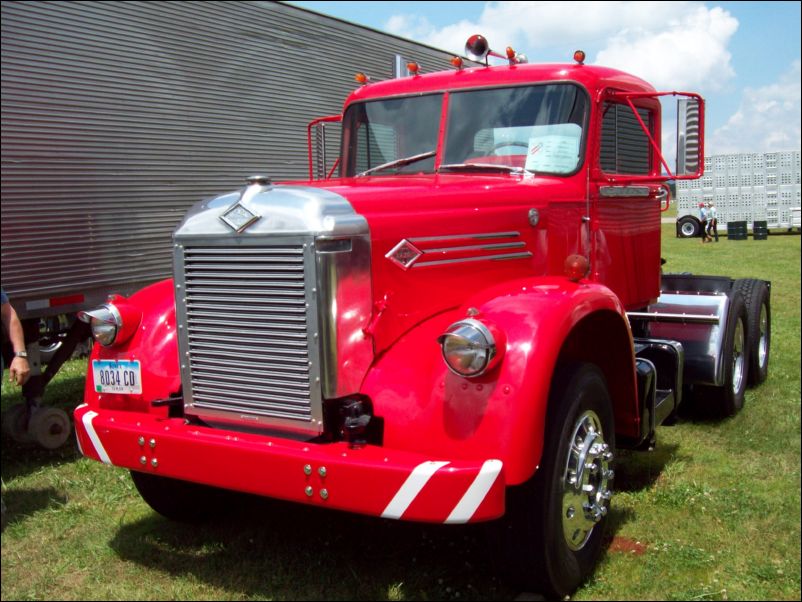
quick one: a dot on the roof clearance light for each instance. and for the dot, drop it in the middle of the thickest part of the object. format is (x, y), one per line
(457, 62)
(579, 57)
(413, 68)
(361, 78)
(477, 47)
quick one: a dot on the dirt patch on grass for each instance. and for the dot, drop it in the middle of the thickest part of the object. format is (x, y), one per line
(625, 545)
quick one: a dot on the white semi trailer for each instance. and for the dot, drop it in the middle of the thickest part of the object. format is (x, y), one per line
(749, 187)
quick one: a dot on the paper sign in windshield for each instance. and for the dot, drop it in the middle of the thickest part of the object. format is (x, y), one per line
(554, 148)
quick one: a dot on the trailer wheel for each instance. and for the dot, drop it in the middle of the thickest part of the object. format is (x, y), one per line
(49, 427)
(178, 500)
(728, 399)
(688, 227)
(758, 327)
(15, 423)
(550, 538)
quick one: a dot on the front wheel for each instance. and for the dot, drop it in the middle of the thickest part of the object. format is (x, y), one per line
(550, 539)
(181, 500)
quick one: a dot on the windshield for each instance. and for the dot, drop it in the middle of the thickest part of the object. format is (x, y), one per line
(397, 136)
(534, 128)
(537, 128)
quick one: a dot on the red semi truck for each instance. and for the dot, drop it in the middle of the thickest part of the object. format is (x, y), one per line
(463, 325)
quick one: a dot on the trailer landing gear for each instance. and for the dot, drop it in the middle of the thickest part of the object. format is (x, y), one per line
(49, 427)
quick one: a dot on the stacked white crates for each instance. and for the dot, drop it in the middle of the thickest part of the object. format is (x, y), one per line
(746, 187)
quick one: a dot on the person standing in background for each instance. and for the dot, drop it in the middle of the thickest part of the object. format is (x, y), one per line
(19, 370)
(703, 221)
(712, 221)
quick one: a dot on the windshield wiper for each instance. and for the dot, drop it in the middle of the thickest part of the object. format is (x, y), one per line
(398, 163)
(481, 167)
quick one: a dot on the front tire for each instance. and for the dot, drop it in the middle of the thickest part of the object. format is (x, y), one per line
(181, 501)
(551, 537)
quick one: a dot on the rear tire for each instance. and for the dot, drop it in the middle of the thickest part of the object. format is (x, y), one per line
(181, 501)
(550, 539)
(755, 294)
(728, 400)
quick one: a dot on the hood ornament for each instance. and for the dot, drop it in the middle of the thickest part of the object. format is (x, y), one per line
(238, 217)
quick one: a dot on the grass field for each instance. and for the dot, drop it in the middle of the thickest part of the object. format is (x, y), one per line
(712, 514)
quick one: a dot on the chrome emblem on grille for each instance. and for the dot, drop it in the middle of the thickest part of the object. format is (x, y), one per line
(404, 254)
(239, 218)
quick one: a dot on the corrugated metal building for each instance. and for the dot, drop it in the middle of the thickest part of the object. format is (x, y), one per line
(118, 116)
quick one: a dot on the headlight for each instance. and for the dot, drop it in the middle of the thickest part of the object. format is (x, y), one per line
(469, 348)
(112, 323)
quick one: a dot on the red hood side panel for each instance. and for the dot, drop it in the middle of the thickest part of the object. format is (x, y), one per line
(466, 240)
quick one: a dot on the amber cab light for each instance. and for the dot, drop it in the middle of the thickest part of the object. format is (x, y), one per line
(579, 57)
(457, 62)
(576, 267)
(413, 68)
(361, 78)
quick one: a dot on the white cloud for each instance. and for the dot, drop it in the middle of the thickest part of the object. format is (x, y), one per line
(767, 120)
(670, 44)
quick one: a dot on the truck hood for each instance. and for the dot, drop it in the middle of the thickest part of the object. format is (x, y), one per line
(434, 241)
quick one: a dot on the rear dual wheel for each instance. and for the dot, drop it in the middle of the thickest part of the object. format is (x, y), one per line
(728, 399)
(755, 294)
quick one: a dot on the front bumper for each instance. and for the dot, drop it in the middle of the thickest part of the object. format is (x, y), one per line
(372, 480)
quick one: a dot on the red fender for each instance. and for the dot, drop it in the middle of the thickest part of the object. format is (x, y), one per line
(154, 344)
(500, 414)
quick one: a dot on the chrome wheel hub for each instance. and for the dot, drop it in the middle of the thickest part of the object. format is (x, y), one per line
(763, 345)
(586, 481)
(738, 358)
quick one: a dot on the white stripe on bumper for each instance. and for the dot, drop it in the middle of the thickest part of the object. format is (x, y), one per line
(414, 484)
(90, 430)
(476, 493)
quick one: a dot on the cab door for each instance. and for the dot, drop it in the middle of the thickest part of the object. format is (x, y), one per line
(626, 192)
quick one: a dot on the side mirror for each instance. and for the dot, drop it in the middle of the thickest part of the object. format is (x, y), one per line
(690, 137)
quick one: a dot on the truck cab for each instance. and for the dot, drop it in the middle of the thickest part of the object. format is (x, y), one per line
(460, 326)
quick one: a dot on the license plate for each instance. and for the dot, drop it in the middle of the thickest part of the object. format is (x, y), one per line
(117, 376)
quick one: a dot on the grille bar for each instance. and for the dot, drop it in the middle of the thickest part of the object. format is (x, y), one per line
(247, 331)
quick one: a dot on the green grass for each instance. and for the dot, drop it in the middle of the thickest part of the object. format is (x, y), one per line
(713, 513)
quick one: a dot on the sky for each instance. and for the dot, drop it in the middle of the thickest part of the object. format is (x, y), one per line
(742, 57)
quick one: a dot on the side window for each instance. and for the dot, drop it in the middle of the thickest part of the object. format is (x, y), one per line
(625, 148)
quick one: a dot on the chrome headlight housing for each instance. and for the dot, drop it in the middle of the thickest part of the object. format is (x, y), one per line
(112, 323)
(469, 348)
(105, 322)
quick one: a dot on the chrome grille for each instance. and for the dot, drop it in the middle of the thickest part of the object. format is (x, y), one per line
(247, 335)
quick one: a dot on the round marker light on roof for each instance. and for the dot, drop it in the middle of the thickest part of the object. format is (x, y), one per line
(457, 62)
(413, 68)
(579, 57)
(510, 53)
(361, 78)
